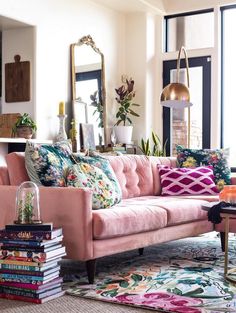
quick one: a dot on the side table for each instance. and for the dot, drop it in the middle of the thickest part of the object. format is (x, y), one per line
(227, 213)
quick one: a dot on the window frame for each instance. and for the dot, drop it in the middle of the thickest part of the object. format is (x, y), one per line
(168, 17)
(222, 10)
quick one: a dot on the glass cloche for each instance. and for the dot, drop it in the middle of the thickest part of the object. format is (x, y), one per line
(27, 204)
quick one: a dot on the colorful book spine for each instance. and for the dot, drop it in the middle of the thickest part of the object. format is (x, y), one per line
(32, 286)
(30, 273)
(29, 256)
(30, 293)
(32, 243)
(27, 299)
(21, 263)
(33, 291)
(12, 247)
(29, 227)
(24, 278)
(30, 235)
(20, 267)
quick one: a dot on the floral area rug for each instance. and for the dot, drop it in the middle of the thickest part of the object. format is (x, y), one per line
(184, 276)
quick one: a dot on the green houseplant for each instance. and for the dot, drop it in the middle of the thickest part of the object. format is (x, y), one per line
(156, 150)
(125, 95)
(24, 127)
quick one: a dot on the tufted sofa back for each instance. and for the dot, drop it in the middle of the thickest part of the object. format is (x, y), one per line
(138, 175)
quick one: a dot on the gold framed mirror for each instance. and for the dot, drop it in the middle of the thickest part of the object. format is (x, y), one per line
(88, 87)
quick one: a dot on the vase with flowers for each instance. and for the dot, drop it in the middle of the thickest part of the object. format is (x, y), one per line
(123, 127)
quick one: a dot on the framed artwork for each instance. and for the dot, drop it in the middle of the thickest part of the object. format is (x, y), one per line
(87, 140)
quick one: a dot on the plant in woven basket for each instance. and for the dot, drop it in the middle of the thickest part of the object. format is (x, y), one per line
(24, 126)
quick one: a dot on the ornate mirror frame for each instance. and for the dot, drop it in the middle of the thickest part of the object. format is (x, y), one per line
(87, 40)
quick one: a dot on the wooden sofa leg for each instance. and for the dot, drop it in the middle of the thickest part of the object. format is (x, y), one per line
(140, 251)
(91, 268)
(222, 240)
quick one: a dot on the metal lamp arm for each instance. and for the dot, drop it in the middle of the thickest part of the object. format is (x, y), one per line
(186, 62)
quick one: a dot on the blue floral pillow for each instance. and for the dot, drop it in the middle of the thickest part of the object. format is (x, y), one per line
(104, 165)
(90, 176)
(47, 164)
(218, 158)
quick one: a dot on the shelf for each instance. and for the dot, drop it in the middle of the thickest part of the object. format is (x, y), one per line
(23, 140)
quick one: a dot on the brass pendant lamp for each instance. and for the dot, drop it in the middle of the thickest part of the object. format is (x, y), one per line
(176, 95)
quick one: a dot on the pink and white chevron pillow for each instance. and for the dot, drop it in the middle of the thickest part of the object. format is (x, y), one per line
(187, 181)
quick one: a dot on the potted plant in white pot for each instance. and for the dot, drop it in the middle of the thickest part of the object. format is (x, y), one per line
(123, 127)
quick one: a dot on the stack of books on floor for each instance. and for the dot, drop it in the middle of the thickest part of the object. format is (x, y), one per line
(29, 262)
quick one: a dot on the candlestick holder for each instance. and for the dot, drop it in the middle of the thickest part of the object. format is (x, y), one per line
(62, 133)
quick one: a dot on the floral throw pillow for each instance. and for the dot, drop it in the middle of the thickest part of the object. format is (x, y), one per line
(104, 165)
(217, 158)
(47, 164)
(187, 181)
(90, 176)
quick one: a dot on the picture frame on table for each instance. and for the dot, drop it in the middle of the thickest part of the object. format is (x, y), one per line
(87, 140)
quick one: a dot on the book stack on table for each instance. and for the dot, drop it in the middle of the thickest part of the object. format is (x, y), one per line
(29, 262)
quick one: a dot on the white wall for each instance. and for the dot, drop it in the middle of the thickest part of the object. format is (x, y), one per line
(58, 24)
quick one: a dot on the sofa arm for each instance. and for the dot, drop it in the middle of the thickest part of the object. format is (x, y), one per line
(69, 208)
(4, 177)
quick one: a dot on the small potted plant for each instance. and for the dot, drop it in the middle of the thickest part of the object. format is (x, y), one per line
(123, 127)
(24, 127)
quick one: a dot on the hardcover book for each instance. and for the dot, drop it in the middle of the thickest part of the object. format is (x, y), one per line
(30, 256)
(31, 243)
(28, 279)
(35, 264)
(30, 293)
(27, 299)
(29, 227)
(32, 273)
(30, 235)
(15, 249)
(33, 286)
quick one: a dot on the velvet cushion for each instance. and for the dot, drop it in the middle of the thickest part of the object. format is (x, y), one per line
(104, 165)
(187, 181)
(87, 175)
(47, 164)
(140, 215)
(218, 158)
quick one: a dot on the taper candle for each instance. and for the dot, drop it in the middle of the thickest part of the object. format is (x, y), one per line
(62, 108)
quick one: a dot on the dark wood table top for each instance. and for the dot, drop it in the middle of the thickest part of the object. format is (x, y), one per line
(227, 210)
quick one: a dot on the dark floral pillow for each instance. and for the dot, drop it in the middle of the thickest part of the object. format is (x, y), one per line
(218, 158)
(47, 164)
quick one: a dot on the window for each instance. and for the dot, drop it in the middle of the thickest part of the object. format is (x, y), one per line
(228, 15)
(175, 121)
(189, 30)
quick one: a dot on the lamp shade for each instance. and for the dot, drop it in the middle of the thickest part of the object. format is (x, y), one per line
(176, 95)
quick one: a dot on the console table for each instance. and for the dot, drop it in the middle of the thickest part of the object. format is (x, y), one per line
(8, 145)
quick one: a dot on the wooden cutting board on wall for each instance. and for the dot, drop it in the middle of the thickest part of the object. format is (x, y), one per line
(17, 80)
(7, 121)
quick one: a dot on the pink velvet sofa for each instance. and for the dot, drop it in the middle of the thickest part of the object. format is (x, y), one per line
(142, 218)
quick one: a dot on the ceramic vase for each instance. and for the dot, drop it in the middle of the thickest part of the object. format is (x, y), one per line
(123, 134)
